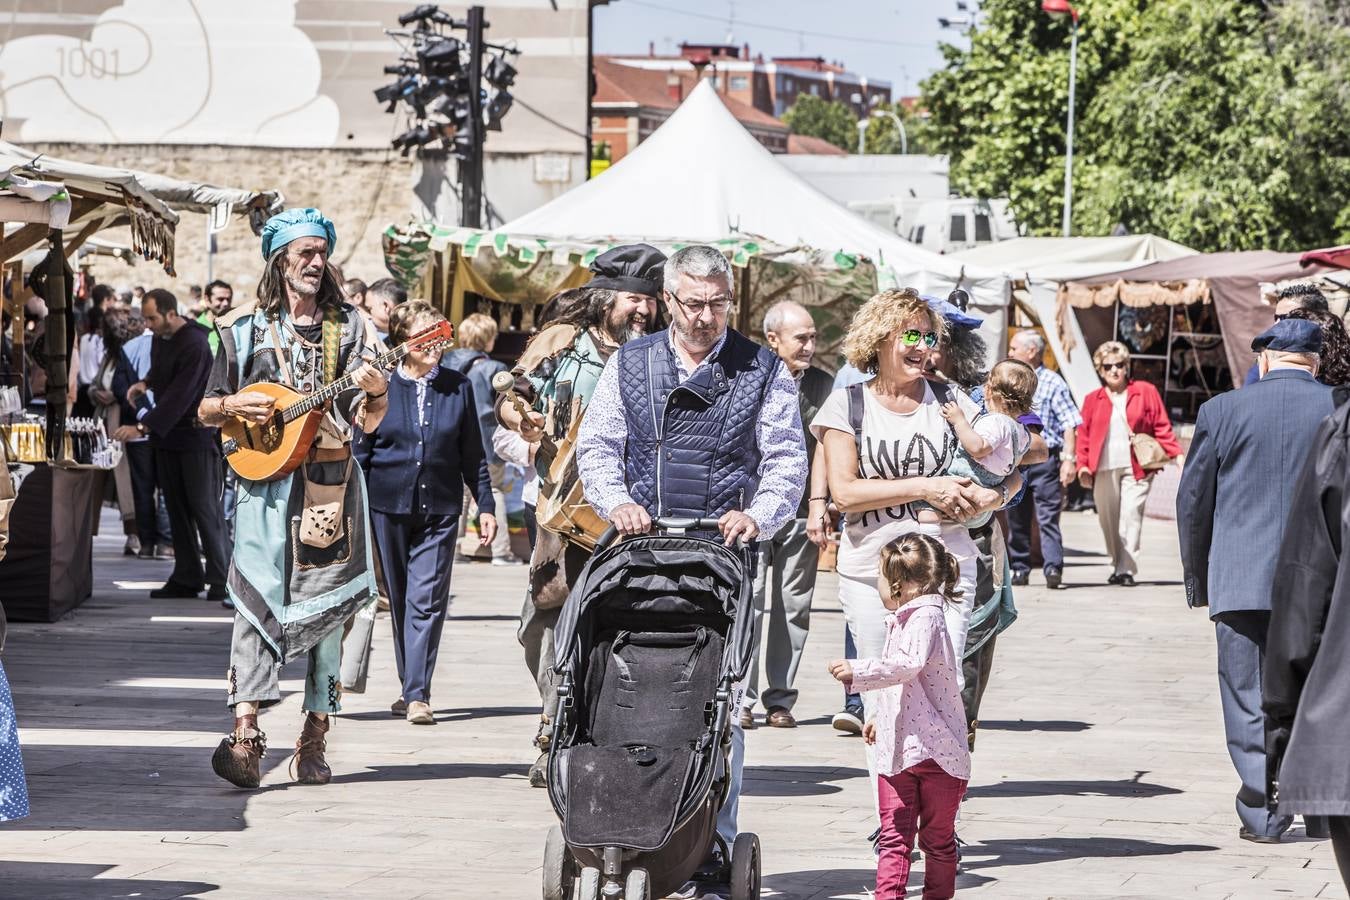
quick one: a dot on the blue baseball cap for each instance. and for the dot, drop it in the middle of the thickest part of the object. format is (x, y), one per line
(954, 315)
(1290, 336)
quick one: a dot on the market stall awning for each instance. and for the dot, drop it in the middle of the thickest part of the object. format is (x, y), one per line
(1332, 256)
(1037, 266)
(528, 269)
(1234, 282)
(98, 197)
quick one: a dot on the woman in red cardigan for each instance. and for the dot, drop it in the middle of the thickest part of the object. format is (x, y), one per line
(1106, 462)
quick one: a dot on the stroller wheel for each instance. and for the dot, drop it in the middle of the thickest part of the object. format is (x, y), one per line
(745, 867)
(589, 888)
(636, 887)
(559, 867)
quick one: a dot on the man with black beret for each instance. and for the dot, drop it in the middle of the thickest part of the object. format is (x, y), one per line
(1233, 506)
(556, 376)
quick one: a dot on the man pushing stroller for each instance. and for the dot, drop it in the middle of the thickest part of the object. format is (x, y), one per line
(696, 421)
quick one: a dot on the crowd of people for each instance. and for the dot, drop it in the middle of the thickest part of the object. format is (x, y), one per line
(944, 481)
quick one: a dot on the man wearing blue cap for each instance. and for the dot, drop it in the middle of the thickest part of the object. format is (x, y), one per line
(292, 586)
(1232, 507)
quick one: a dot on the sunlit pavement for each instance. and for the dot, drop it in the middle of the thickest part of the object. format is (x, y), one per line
(1101, 769)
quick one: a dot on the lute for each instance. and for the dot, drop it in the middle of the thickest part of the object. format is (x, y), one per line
(266, 451)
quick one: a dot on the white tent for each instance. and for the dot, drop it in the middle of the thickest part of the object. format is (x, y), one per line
(702, 177)
(1040, 264)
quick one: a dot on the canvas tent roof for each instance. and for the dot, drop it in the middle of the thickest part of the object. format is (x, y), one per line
(703, 177)
(1038, 265)
(1232, 281)
(49, 192)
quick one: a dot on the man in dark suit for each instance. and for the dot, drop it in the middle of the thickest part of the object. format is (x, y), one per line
(1232, 506)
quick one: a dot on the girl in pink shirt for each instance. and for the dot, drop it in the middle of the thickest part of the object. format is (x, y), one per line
(917, 724)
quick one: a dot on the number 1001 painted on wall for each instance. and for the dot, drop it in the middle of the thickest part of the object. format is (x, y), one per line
(79, 62)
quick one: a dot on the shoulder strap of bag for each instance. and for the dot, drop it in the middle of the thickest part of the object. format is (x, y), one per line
(283, 353)
(855, 417)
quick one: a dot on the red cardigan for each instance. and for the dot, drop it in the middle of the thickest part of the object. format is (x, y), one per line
(1144, 411)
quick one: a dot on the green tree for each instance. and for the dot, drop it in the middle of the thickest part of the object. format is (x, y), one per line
(827, 119)
(1218, 123)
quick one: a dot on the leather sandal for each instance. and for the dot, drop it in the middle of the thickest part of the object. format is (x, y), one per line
(238, 757)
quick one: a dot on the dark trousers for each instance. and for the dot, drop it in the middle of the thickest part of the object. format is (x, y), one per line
(1340, 845)
(417, 552)
(190, 480)
(531, 524)
(152, 517)
(1242, 651)
(851, 652)
(1042, 498)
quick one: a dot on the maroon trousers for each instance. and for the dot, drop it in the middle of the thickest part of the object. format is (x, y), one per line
(922, 799)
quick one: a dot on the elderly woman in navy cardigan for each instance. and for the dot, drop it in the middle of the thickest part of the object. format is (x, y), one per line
(416, 461)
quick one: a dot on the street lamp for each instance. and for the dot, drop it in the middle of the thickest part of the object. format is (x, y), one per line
(899, 127)
(1061, 8)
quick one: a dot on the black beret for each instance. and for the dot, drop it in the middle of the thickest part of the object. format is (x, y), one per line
(1290, 336)
(635, 268)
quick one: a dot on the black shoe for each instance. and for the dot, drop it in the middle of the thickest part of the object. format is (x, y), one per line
(1126, 581)
(171, 590)
(1114, 579)
(1021, 577)
(1054, 576)
(218, 594)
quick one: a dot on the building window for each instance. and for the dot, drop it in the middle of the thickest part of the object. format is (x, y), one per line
(815, 89)
(740, 82)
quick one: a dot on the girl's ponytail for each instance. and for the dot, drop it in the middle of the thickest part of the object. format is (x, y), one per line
(922, 560)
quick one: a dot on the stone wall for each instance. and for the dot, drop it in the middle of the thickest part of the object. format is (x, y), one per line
(362, 191)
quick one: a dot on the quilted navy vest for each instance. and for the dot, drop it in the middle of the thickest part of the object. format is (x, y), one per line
(693, 447)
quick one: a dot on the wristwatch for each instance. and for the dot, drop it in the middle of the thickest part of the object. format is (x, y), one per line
(140, 426)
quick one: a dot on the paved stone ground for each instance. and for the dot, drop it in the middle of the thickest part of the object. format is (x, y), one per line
(1101, 769)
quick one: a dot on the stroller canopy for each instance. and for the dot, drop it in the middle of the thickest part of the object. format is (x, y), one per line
(666, 575)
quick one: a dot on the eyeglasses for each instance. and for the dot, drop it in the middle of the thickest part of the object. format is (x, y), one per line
(1280, 317)
(718, 305)
(1111, 367)
(912, 336)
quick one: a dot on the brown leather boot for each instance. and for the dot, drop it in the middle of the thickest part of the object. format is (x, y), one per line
(310, 767)
(237, 759)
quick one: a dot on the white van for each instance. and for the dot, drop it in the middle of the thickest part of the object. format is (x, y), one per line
(959, 224)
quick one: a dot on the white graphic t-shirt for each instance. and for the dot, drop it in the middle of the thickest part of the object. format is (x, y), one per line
(894, 445)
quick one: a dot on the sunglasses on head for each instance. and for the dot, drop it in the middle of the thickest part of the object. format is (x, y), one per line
(912, 336)
(1111, 367)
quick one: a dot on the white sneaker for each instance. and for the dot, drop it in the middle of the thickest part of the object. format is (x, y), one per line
(507, 561)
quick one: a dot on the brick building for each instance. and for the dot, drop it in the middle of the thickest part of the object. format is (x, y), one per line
(631, 103)
(770, 86)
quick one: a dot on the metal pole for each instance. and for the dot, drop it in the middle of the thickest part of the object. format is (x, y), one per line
(1068, 154)
(471, 169)
(862, 134)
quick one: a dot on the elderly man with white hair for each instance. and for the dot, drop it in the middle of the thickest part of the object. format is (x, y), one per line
(785, 580)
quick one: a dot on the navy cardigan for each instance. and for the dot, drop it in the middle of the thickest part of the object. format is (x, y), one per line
(414, 470)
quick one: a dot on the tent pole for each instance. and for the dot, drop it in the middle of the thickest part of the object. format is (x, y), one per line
(743, 309)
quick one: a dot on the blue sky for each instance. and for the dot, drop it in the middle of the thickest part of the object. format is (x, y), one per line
(895, 40)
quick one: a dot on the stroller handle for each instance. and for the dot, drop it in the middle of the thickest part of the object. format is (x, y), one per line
(665, 523)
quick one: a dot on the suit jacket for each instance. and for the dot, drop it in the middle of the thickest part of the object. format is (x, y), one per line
(1235, 493)
(1306, 691)
(410, 469)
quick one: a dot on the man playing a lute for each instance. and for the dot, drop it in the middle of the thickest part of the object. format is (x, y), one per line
(302, 559)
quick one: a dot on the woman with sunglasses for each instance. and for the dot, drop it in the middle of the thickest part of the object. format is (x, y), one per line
(1106, 463)
(897, 455)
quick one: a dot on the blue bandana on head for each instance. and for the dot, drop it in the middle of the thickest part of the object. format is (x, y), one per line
(293, 224)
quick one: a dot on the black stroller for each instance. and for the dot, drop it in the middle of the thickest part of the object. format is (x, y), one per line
(653, 636)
